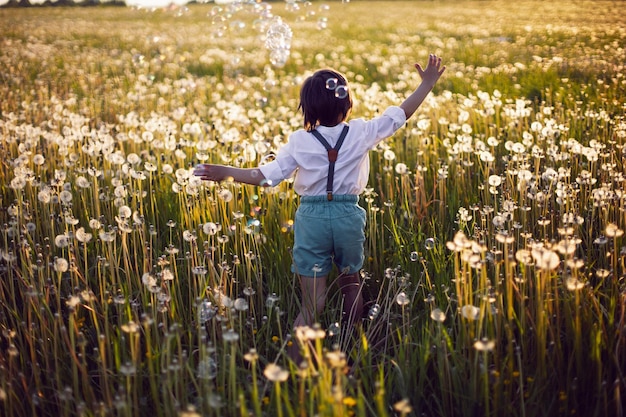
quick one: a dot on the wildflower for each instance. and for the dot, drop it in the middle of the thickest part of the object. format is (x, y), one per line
(107, 236)
(95, 224)
(44, 195)
(402, 299)
(225, 195)
(83, 182)
(438, 315)
(566, 247)
(207, 369)
(573, 284)
(403, 407)
(349, 401)
(128, 369)
(211, 228)
(62, 241)
(189, 236)
(545, 259)
(494, 180)
(39, 159)
(612, 230)
(70, 219)
(336, 359)
(603, 273)
(200, 270)
(241, 304)
(230, 336)
(524, 256)
(189, 412)
(306, 333)
(61, 265)
(124, 212)
(166, 274)
(83, 236)
(73, 301)
(149, 280)
(470, 312)
(484, 345)
(130, 327)
(401, 168)
(275, 373)
(65, 197)
(252, 356)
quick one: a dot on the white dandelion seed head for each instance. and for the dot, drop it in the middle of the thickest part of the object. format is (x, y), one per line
(470, 312)
(61, 265)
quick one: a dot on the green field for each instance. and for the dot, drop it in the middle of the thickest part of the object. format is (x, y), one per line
(495, 275)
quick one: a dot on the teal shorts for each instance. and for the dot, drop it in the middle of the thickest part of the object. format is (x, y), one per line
(327, 232)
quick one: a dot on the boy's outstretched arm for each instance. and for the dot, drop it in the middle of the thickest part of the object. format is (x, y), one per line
(210, 172)
(430, 75)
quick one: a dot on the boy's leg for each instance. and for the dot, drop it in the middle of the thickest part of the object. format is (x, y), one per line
(313, 299)
(350, 286)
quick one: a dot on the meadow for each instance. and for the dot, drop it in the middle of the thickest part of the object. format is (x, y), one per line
(495, 273)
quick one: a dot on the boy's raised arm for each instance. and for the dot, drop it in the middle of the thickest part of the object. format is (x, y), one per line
(430, 75)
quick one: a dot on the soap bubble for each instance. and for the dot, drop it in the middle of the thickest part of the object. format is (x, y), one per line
(429, 243)
(373, 312)
(278, 35)
(333, 329)
(341, 91)
(278, 57)
(278, 42)
(322, 23)
(331, 83)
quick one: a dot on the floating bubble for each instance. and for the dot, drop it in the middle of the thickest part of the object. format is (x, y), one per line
(341, 92)
(414, 256)
(269, 84)
(429, 243)
(278, 35)
(331, 83)
(333, 329)
(279, 57)
(373, 312)
(206, 311)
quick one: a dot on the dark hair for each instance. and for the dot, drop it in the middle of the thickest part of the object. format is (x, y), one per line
(320, 102)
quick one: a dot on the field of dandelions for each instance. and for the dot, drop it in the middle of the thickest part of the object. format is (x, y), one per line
(495, 273)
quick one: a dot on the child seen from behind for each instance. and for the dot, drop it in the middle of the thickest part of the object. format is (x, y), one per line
(330, 159)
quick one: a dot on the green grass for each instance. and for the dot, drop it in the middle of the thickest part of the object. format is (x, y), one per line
(494, 279)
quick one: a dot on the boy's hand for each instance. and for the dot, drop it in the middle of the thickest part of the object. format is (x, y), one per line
(209, 172)
(433, 70)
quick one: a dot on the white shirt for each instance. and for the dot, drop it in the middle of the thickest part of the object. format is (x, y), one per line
(306, 154)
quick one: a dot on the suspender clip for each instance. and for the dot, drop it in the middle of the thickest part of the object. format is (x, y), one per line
(329, 196)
